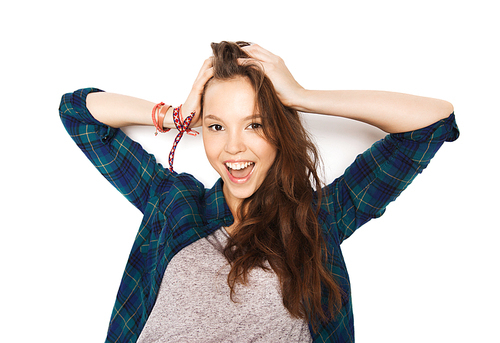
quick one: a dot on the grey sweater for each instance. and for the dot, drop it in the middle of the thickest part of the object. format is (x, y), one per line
(194, 305)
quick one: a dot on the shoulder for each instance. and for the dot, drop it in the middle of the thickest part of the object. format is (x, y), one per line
(174, 186)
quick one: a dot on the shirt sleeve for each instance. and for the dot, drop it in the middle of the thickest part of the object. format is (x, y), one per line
(381, 173)
(123, 162)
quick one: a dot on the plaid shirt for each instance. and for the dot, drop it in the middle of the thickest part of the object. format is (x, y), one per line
(178, 210)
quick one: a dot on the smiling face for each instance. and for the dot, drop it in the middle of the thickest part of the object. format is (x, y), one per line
(233, 138)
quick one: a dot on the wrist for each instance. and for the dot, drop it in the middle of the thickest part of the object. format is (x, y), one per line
(168, 121)
(299, 101)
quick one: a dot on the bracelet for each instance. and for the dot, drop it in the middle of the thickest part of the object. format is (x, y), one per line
(182, 126)
(158, 124)
(161, 117)
(158, 116)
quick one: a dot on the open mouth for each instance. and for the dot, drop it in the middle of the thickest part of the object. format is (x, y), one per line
(240, 170)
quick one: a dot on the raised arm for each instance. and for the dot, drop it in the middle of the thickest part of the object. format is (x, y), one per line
(418, 127)
(92, 119)
(117, 110)
(389, 111)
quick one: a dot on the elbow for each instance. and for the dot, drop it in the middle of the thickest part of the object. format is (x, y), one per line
(439, 109)
(446, 109)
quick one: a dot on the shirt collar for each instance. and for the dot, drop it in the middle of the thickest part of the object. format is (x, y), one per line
(216, 208)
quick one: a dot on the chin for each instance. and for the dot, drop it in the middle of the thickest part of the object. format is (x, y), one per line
(234, 194)
(240, 191)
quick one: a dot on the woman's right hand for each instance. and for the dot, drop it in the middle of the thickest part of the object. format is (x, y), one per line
(193, 101)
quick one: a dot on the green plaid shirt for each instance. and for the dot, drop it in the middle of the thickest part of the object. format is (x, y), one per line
(178, 210)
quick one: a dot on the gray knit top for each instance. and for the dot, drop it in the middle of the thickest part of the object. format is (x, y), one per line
(194, 304)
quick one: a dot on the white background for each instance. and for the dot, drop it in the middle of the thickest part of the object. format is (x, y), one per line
(427, 271)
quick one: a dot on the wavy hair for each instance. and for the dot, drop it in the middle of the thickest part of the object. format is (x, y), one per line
(278, 223)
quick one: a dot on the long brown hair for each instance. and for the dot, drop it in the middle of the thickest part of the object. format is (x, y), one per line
(278, 223)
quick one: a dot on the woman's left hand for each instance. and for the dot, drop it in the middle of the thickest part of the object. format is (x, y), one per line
(287, 88)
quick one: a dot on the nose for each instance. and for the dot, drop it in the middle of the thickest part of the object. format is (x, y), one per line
(235, 143)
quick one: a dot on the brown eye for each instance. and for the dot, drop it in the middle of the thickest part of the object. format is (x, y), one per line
(215, 127)
(255, 126)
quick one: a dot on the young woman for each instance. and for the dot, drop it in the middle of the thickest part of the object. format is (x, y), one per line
(257, 257)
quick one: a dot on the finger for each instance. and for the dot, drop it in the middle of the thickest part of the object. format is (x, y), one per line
(247, 60)
(258, 52)
(204, 75)
(206, 65)
(208, 62)
(207, 75)
(253, 61)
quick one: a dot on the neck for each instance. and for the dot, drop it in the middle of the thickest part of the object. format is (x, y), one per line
(231, 229)
(233, 207)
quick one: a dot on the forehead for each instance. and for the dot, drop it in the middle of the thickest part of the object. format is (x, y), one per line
(235, 96)
(237, 80)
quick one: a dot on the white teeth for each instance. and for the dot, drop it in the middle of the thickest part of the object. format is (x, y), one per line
(238, 165)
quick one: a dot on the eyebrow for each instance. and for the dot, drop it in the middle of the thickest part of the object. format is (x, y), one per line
(253, 116)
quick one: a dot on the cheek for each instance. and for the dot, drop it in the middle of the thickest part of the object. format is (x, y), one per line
(268, 152)
(212, 150)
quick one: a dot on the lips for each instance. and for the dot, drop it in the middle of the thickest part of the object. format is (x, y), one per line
(239, 172)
